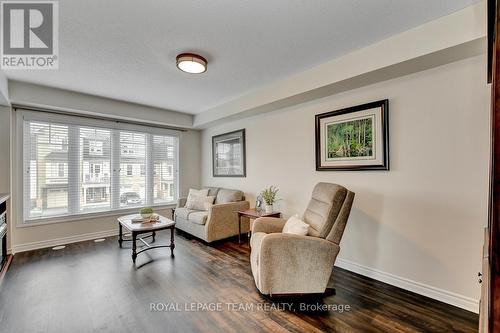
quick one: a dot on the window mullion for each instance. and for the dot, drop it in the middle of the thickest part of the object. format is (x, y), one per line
(115, 169)
(149, 170)
(27, 171)
(73, 169)
(176, 169)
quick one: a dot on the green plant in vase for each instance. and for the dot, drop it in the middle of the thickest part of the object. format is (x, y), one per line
(146, 212)
(269, 195)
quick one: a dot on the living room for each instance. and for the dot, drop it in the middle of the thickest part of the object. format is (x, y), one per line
(171, 167)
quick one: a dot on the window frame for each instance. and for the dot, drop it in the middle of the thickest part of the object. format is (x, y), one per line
(61, 170)
(74, 215)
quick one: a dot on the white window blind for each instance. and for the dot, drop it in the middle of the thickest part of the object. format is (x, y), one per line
(71, 169)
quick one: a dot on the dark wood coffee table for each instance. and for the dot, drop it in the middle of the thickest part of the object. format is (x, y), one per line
(145, 228)
(253, 214)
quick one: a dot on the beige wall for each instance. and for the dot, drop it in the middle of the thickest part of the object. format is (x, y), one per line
(189, 161)
(4, 149)
(4, 90)
(5, 153)
(422, 220)
(28, 94)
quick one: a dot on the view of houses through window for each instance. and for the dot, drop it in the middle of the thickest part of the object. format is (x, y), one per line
(78, 169)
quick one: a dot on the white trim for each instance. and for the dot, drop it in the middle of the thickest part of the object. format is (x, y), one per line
(62, 241)
(88, 216)
(442, 295)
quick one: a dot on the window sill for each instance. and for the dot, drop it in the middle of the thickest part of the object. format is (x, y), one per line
(88, 216)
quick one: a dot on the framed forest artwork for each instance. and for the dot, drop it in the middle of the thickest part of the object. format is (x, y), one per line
(355, 138)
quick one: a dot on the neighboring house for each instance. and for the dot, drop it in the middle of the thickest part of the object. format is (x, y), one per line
(54, 188)
(49, 169)
(95, 179)
(132, 165)
(164, 187)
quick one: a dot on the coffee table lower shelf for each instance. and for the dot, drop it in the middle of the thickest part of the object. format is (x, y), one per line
(136, 229)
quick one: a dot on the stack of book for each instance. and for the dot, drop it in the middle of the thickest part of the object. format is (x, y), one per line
(140, 219)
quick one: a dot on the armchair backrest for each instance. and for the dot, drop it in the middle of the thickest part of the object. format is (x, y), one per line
(328, 211)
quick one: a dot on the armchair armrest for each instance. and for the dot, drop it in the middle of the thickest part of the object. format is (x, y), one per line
(181, 202)
(299, 244)
(268, 225)
(292, 263)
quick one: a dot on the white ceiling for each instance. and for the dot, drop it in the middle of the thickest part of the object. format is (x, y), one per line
(126, 49)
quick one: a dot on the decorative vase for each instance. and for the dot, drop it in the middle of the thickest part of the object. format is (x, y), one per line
(269, 209)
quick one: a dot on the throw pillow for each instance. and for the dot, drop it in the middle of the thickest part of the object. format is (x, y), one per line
(203, 192)
(195, 199)
(295, 226)
(201, 203)
(208, 202)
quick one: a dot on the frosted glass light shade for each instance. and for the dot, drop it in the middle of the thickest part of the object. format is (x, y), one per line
(191, 63)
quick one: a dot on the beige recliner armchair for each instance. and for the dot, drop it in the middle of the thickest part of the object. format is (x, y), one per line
(292, 264)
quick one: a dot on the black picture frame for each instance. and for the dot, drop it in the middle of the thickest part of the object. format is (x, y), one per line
(238, 134)
(356, 166)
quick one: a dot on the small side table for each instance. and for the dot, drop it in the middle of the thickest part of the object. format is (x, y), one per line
(253, 214)
(143, 228)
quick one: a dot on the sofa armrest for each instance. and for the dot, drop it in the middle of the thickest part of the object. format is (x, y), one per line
(227, 209)
(222, 221)
(268, 225)
(294, 263)
(181, 202)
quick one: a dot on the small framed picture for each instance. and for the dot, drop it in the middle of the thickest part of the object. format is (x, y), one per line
(355, 138)
(258, 203)
(228, 154)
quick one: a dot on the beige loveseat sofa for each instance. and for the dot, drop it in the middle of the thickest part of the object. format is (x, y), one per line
(219, 221)
(284, 263)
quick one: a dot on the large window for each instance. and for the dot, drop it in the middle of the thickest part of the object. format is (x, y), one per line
(72, 169)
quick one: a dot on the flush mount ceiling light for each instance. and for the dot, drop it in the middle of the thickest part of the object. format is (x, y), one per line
(191, 63)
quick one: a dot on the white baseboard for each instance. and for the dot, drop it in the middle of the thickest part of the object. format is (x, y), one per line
(62, 241)
(442, 295)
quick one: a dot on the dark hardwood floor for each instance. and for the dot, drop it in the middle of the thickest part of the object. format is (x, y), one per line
(95, 287)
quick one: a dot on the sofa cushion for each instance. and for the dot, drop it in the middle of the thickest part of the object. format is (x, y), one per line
(212, 191)
(195, 216)
(209, 202)
(198, 217)
(183, 213)
(200, 203)
(195, 199)
(226, 195)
